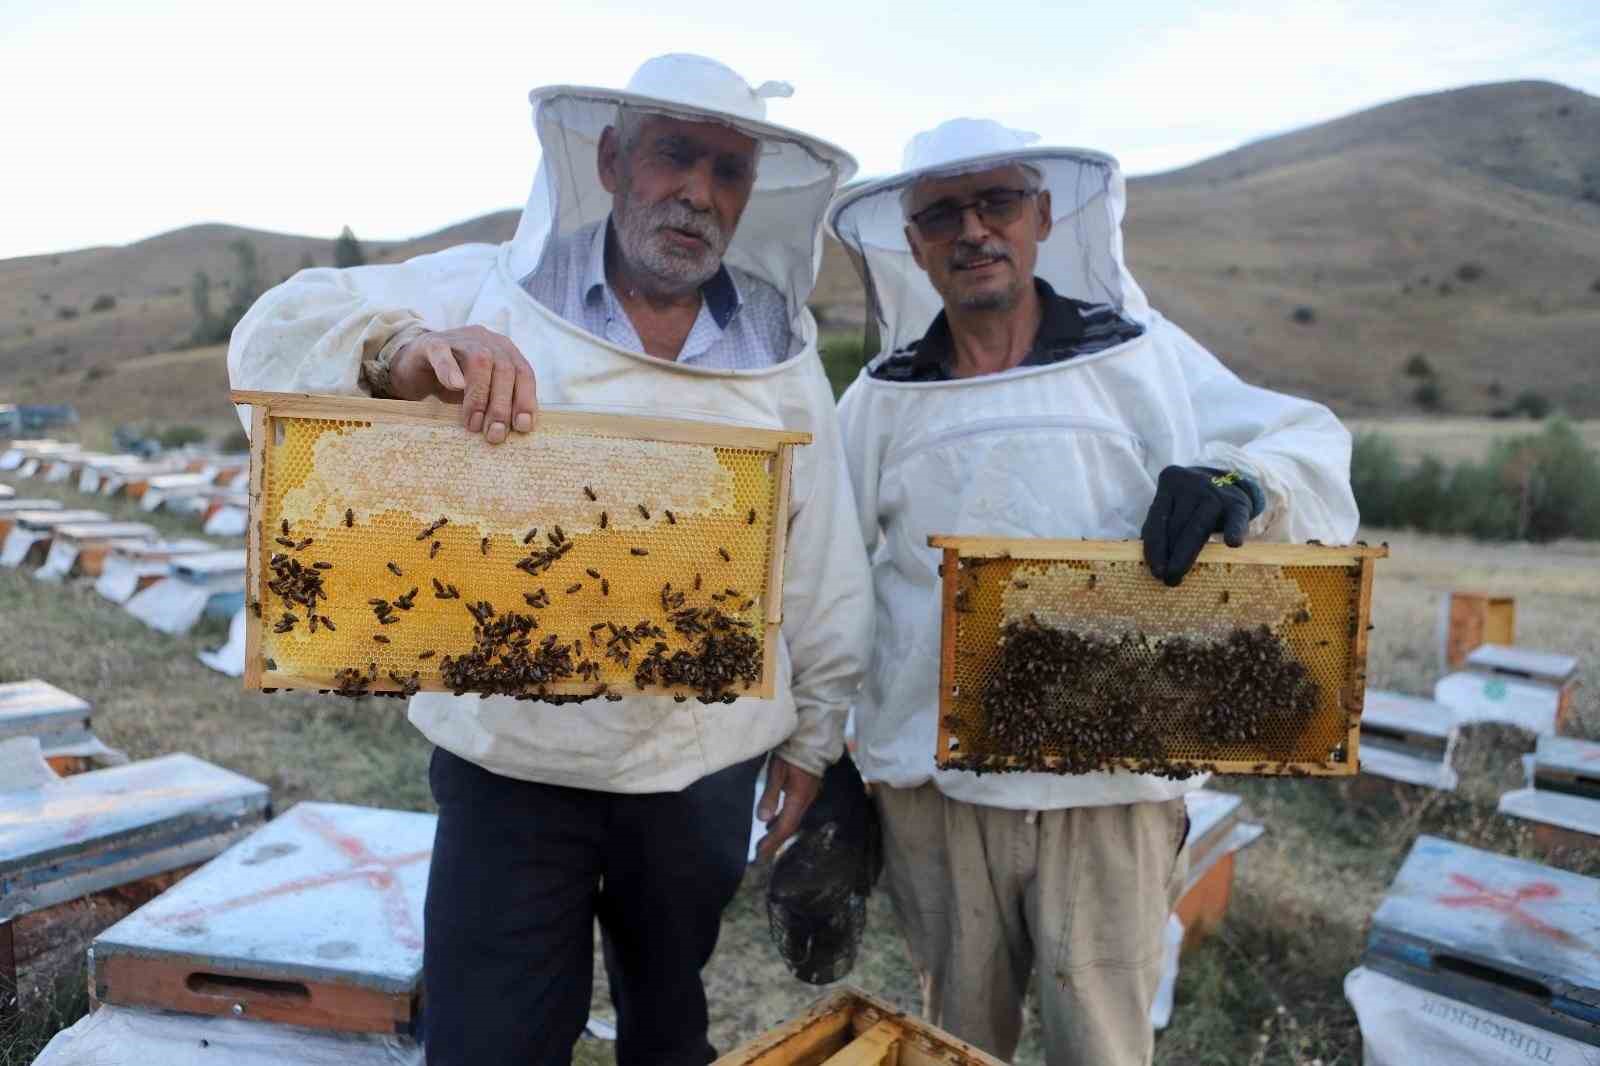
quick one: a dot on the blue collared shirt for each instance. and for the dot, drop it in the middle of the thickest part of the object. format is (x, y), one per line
(743, 323)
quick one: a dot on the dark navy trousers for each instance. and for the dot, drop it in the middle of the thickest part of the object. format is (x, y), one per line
(520, 873)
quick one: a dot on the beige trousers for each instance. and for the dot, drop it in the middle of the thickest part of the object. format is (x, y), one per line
(985, 895)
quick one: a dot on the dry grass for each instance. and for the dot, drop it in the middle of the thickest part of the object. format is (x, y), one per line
(1304, 892)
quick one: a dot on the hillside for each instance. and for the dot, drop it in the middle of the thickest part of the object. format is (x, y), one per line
(1463, 226)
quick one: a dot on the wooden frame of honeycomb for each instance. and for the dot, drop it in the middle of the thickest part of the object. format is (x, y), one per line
(849, 1027)
(396, 526)
(1314, 600)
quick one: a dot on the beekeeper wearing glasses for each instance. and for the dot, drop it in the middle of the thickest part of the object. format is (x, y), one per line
(1025, 388)
(661, 267)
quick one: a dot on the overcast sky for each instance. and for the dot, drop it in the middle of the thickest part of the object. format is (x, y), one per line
(124, 120)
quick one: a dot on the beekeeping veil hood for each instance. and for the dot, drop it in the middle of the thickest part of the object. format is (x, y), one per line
(779, 235)
(1082, 257)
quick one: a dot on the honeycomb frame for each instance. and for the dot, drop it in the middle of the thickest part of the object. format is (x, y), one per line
(304, 447)
(1327, 634)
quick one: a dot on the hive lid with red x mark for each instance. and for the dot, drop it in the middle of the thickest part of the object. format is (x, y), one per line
(326, 893)
(1491, 911)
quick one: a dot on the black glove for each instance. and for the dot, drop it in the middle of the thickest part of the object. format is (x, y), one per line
(1193, 502)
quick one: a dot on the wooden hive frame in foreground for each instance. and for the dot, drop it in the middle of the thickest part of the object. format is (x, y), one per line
(851, 1028)
(592, 524)
(1314, 601)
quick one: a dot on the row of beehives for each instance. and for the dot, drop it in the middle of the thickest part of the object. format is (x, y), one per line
(168, 584)
(1413, 740)
(167, 864)
(208, 486)
(1473, 957)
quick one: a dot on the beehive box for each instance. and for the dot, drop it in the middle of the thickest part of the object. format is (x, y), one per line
(851, 1028)
(79, 550)
(7, 492)
(12, 506)
(615, 553)
(78, 853)
(1470, 619)
(1217, 832)
(1068, 657)
(313, 920)
(1562, 797)
(1531, 690)
(1408, 740)
(1495, 933)
(58, 719)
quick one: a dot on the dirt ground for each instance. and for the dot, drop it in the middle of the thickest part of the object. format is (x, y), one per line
(1265, 990)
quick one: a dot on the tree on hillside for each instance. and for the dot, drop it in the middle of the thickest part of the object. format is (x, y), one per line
(205, 323)
(245, 288)
(347, 250)
(306, 262)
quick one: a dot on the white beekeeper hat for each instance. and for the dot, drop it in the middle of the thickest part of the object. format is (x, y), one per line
(779, 235)
(1082, 258)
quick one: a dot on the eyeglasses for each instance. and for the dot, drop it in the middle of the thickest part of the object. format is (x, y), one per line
(996, 207)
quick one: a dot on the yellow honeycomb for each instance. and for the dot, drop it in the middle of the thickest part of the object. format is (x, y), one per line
(391, 481)
(1314, 609)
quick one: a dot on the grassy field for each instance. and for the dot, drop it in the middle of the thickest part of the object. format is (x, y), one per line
(1266, 990)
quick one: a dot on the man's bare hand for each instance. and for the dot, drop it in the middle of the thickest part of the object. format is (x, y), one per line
(475, 367)
(799, 789)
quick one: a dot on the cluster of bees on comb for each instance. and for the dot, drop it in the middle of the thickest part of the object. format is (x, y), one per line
(1078, 703)
(510, 654)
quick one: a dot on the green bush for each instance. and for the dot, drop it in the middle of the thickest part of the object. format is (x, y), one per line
(843, 356)
(1428, 396)
(1418, 367)
(179, 435)
(1530, 403)
(237, 441)
(104, 302)
(1537, 487)
(66, 313)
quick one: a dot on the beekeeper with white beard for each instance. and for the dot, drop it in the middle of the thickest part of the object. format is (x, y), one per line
(661, 267)
(1027, 389)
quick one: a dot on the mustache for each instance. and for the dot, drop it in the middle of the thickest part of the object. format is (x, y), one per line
(967, 254)
(674, 214)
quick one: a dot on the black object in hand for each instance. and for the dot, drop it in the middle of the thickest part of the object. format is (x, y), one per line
(1192, 502)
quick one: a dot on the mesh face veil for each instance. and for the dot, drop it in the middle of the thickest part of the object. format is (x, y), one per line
(1082, 257)
(778, 236)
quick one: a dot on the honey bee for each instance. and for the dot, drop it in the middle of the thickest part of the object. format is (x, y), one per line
(380, 638)
(434, 550)
(286, 542)
(587, 491)
(603, 519)
(255, 608)
(639, 551)
(574, 587)
(750, 519)
(724, 553)
(697, 582)
(528, 537)
(425, 654)
(349, 518)
(592, 572)
(320, 565)
(272, 664)
(605, 587)
(643, 512)
(483, 546)
(327, 623)
(395, 570)
(1224, 597)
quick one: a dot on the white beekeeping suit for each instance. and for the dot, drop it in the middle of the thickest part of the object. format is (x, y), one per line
(311, 333)
(1070, 449)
